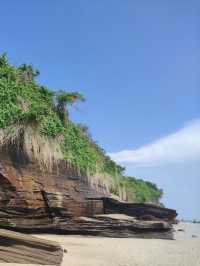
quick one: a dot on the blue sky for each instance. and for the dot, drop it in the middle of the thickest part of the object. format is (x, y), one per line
(137, 63)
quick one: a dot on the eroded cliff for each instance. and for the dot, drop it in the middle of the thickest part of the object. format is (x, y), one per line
(52, 172)
(46, 187)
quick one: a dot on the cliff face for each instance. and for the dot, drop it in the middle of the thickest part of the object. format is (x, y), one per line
(50, 167)
(37, 184)
(61, 199)
(26, 188)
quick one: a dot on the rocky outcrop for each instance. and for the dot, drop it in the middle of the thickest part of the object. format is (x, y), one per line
(141, 211)
(25, 249)
(41, 184)
(63, 191)
(37, 198)
(117, 226)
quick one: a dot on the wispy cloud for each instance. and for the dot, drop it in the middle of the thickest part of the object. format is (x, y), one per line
(180, 146)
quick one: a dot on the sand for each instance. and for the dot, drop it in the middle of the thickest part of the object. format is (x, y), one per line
(95, 251)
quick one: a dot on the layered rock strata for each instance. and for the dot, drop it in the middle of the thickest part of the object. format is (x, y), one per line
(37, 199)
(25, 249)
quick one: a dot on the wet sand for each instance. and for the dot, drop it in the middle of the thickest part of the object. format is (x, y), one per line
(96, 251)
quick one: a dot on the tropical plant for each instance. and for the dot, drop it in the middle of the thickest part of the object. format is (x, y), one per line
(3, 60)
(27, 73)
(63, 100)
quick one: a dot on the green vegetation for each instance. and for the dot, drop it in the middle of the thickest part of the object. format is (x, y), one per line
(137, 190)
(25, 102)
(144, 191)
(64, 99)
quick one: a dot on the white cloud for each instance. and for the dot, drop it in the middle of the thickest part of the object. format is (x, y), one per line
(181, 146)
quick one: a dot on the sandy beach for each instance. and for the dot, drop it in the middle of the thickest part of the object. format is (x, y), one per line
(96, 251)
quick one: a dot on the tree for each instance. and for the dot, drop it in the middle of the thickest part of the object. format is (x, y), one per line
(63, 100)
(27, 73)
(3, 60)
(6, 70)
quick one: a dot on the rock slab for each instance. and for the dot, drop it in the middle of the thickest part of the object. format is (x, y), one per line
(25, 249)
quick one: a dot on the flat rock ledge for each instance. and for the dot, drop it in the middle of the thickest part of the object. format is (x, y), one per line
(26, 249)
(106, 225)
(118, 219)
(118, 226)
